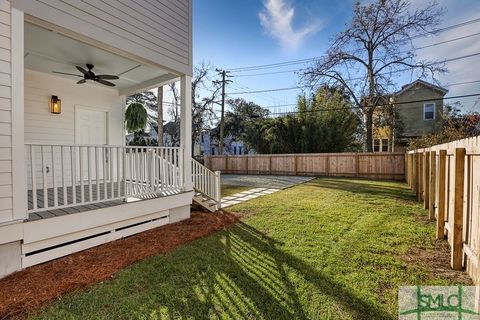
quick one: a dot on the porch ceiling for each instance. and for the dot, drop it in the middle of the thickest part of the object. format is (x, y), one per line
(47, 51)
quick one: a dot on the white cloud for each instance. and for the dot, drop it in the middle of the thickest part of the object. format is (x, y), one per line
(277, 19)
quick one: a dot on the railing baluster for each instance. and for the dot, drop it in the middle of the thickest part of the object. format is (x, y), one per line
(119, 177)
(175, 162)
(55, 191)
(64, 179)
(170, 160)
(45, 181)
(34, 177)
(155, 168)
(89, 172)
(105, 169)
(181, 168)
(73, 160)
(112, 185)
(162, 171)
(97, 173)
(80, 168)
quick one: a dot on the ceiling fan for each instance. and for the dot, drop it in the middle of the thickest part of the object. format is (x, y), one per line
(89, 75)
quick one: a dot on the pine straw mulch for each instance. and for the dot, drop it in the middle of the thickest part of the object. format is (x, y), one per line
(36, 286)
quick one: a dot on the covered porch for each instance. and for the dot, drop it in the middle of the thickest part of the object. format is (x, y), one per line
(76, 160)
(82, 185)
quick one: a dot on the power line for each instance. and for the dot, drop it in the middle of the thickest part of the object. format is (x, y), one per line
(295, 104)
(292, 62)
(378, 106)
(303, 69)
(305, 87)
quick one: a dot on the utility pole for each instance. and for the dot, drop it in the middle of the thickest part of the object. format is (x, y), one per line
(223, 82)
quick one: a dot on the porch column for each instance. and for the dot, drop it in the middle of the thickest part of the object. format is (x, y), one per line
(186, 129)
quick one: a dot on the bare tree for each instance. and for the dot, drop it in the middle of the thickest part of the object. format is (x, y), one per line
(376, 45)
(173, 110)
(205, 95)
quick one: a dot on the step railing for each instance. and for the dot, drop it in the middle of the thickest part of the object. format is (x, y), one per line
(206, 182)
(62, 176)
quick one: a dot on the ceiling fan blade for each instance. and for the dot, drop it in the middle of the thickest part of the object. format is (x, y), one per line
(81, 70)
(81, 81)
(107, 77)
(107, 83)
(68, 74)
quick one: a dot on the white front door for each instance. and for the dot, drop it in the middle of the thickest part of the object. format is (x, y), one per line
(91, 129)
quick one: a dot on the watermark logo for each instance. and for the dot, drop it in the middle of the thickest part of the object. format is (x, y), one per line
(422, 303)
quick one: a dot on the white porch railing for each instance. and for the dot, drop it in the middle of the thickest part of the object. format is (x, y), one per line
(62, 176)
(206, 181)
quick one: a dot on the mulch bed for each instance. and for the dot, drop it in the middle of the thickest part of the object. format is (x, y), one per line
(36, 286)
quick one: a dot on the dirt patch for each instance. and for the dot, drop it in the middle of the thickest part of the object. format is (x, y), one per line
(437, 259)
(32, 288)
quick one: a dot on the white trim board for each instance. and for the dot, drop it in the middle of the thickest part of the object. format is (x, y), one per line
(18, 114)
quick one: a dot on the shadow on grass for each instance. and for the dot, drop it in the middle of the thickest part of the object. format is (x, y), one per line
(366, 187)
(242, 274)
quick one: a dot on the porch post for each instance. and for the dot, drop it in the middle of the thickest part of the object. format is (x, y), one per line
(186, 129)
(19, 185)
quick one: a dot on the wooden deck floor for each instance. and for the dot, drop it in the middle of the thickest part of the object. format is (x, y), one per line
(44, 213)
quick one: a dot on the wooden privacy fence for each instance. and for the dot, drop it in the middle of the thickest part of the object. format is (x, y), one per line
(381, 166)
(447, 179)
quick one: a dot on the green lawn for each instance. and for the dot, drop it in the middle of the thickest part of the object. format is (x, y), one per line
(327, 249)
(228, 190)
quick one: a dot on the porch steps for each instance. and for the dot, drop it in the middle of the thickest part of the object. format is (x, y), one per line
(205, 202)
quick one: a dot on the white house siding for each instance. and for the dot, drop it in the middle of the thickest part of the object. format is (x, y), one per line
(6, 199)
(157, 31)
(43, 127)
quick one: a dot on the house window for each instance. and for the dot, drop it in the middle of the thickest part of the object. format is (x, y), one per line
(376, 145)
(240, 150)
(235, 150)
(429, 111)
(384, 147)
(213, 151)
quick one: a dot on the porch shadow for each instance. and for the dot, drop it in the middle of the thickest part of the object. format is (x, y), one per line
(251, 278)
(367, 187)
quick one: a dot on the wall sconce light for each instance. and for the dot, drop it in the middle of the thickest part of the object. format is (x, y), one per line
(55, 105)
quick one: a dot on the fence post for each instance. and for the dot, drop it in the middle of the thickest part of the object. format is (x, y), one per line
(457, 228)
(415, 173)
(407, 174)
(442, 174)
(426, 179)
(412, 168)
(420, 177)
(433, 172)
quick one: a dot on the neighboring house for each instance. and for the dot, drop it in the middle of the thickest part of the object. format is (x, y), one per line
(67, 181)
(151, 134)
(209, 146)
(418, 107)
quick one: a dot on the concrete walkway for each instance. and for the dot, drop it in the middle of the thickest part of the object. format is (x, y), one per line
(246, 195)
(261, 186)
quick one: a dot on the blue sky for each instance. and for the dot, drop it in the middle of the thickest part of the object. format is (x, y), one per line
(231, 34)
